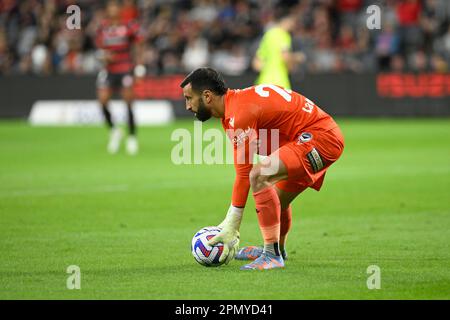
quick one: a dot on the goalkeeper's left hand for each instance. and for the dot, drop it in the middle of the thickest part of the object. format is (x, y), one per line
(229, 235)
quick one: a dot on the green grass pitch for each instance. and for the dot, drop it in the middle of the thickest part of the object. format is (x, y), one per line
(127, 222)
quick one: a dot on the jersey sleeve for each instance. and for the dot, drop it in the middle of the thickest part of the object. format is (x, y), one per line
(136, 32)
(244, 139)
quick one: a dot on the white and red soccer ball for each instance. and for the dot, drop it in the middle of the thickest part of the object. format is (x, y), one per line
(203, 253)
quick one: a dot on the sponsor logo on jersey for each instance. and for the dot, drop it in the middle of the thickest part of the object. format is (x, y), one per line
(231, 122)
(243, 136)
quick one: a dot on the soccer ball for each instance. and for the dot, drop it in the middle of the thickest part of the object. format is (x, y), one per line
(204, 254)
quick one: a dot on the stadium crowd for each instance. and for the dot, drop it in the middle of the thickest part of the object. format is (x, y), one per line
(181, 35)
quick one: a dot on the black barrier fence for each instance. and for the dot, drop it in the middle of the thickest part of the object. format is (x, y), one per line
(367, 95)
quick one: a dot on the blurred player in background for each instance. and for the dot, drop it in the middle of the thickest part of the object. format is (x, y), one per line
(115, 38)
(274, 57)
(309, 142)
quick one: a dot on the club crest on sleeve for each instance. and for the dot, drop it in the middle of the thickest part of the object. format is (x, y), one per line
(304, 137)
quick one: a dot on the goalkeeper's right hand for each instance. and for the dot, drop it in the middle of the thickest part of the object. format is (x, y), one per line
(230, 240)
(229, 235)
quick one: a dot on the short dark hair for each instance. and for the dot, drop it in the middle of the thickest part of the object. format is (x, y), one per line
(205, 79)
(282, 12)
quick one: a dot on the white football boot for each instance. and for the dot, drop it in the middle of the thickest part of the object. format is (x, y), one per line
(115, 137)
(132, 145)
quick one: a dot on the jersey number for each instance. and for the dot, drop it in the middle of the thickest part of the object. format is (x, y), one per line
(285, 93)
(309, 105)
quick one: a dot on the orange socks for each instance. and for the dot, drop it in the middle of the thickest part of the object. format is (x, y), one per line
(268, 210)
(273, 222)
(286, 221)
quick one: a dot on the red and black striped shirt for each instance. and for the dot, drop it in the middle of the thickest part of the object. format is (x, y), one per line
(117, 41)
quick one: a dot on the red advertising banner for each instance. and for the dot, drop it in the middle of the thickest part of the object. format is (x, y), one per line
(431, 85)
(159, 87)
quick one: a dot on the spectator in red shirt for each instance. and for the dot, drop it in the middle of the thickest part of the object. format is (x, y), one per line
(348, 12)
(408, 12)
(349, 5)
(408, 16)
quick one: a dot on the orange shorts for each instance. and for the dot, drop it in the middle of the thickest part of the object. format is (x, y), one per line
(308, 158)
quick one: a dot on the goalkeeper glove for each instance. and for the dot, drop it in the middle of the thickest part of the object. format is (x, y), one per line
(229, 235)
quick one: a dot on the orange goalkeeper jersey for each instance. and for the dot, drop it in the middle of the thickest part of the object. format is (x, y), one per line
(262, 118)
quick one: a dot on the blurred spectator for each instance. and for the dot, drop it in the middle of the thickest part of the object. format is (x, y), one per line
(446, 42)
(325, 58)
(73, 61)
(6, 58)
(231, 62)
(40, 59)
(346, 41)
(348, 11)
(196, 53)
(183, 34)
(418, 61)
(411, 34)
(204, 11)
(387, 45)
(397, 63)
(438, 64)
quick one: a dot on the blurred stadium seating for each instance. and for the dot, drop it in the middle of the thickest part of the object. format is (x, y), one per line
(401, 69)
(184, 34)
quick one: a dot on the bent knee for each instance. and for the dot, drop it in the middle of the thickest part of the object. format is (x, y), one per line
(257, 180)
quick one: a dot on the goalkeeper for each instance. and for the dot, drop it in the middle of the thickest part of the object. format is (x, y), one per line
(257, 120)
